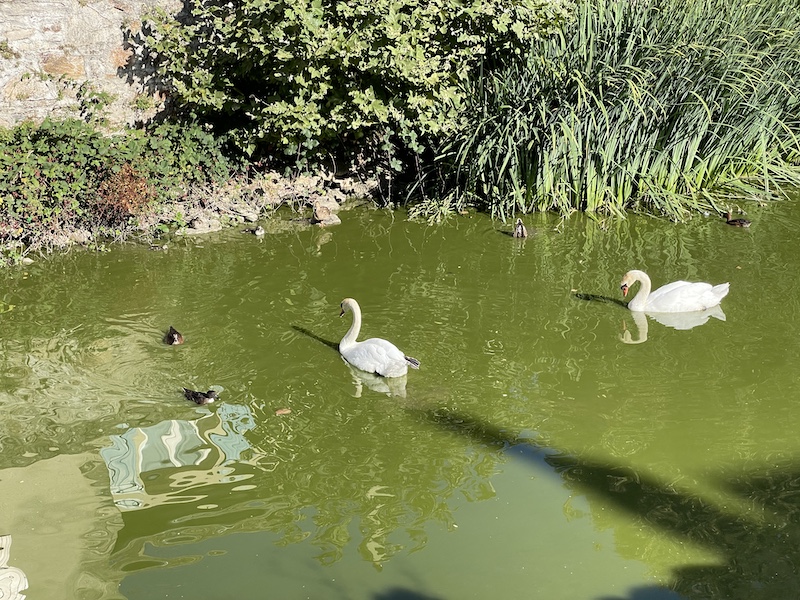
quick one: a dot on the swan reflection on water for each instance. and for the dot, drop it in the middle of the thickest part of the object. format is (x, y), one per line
(390, 386)
(682, 321)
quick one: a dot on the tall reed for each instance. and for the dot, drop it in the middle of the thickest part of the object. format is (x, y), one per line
(660, 106)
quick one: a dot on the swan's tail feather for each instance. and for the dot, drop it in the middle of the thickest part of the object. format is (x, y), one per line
(721, 290)
(412, 362)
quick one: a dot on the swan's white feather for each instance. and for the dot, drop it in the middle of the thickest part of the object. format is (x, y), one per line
(377, 355)
(683, 296)
(374, 355)
(675, 297)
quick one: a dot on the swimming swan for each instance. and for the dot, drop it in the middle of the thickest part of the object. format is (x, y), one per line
(678, 296)
(374, 355)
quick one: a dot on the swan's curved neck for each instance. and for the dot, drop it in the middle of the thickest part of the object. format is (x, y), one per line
(640, 299)
(350, 337)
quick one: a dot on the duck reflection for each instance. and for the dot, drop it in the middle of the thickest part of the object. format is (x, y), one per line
(682, 321)
(12, 580)
(390, 386)
(147, 466)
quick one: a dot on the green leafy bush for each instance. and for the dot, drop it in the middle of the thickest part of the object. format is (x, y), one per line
(51, 173)
(48, 172)
(664, 106)
(307, 77)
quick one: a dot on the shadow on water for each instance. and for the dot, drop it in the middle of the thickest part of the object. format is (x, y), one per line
(314, 336)
(403, 594)
(600, 298)
(646, 593)
(759, 555)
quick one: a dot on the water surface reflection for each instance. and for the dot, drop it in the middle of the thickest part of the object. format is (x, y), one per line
(391, 386)
(12, 580)
(153, 465)
(679, 321)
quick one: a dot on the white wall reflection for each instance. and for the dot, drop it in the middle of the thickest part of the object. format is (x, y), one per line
(150, 466)
(12, 579)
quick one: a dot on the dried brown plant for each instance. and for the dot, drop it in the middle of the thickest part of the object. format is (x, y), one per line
(123, 194)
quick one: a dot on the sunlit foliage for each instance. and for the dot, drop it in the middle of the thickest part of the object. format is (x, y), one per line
(664, 106)
(300, 79)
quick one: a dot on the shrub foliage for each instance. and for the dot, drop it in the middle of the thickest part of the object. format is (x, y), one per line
(301, 77)
(60, 174)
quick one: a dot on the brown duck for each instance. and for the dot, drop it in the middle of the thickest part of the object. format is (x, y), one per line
(173, 337)
(736, 222)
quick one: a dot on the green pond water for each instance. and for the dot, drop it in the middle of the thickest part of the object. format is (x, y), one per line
(537, 453)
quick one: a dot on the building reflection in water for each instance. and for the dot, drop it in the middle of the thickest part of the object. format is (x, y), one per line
(12, 579)
(150, 466)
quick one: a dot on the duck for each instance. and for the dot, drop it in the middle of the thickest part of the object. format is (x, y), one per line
(173, 337)
(324, 216)
(736, 222)
(678, 296)
(200, 397)
(519, 230)
(321, 214)
(256, 231)
(374, 355)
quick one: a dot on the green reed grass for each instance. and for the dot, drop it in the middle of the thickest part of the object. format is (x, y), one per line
(660, 106)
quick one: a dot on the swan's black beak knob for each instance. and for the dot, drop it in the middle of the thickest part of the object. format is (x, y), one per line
(624, 288)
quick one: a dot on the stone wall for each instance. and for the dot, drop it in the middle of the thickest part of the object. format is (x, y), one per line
(59, 57)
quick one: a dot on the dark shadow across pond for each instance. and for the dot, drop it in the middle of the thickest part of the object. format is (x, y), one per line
(760, 554)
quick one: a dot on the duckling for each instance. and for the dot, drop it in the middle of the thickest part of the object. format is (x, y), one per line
(200, 397)
(257, 231)
(519, 230)
(173, 337)
(736, 222)
(323, 216)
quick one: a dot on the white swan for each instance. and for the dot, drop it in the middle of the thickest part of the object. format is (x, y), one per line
(374, 355)
(678, 296)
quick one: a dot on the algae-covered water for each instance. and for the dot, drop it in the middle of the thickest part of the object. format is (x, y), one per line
(537, 453)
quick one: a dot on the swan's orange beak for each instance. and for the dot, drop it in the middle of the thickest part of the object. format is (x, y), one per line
(624, 288)
(341, 313)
